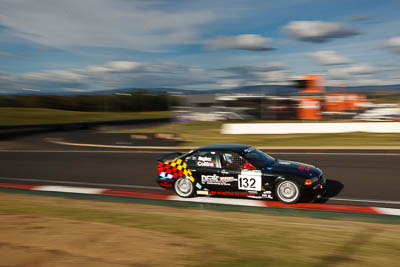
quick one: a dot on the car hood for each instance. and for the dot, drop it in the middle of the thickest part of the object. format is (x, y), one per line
(296, 168)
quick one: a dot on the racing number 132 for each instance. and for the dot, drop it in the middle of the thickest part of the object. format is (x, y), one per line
(247, 183)
(250, 181)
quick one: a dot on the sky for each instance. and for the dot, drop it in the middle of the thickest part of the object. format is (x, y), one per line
(91, 45)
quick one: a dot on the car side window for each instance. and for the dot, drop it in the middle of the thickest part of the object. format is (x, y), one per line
(231, 160)
(207, 159)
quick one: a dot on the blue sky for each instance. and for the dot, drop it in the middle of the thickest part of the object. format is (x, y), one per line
(105, 44)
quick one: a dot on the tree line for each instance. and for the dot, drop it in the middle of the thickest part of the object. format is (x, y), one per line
(135, 101)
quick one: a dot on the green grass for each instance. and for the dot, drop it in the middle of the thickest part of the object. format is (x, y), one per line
(23, 116)
(234, 238)
(386, 100)
(204, 133)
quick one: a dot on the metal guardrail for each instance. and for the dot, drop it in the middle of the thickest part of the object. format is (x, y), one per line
(12, 131)
(84, 124)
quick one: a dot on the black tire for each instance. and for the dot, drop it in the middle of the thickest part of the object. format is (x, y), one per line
(288, 191)
(184, 188)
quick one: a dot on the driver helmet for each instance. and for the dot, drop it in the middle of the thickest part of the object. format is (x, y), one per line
(228, 158)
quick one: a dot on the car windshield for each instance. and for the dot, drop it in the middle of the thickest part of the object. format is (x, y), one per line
(259, 158)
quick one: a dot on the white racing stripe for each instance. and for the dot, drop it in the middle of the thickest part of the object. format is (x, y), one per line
(225, 201)
(69, 189)
(388, 211)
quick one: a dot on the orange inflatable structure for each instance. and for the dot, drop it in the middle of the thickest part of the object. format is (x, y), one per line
(314, 101)
(314, 83)
(309, 108)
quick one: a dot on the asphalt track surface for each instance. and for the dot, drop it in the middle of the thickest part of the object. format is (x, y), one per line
(370, 178)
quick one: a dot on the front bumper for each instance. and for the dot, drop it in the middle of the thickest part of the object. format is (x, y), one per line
(315, 191)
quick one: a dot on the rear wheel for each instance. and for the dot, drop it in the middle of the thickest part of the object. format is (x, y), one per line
(184, 188)
(288, 191)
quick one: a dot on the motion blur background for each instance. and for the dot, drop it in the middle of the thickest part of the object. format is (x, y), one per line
(92, 92)
(206, 61)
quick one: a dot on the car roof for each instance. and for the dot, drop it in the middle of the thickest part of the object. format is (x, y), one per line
(226, 147)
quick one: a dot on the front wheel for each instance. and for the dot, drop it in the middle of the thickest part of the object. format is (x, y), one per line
(184, 188)
(288, 191)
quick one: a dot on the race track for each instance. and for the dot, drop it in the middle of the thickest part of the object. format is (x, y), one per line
(355, 177)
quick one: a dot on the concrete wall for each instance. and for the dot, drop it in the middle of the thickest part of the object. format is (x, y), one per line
(313, 127)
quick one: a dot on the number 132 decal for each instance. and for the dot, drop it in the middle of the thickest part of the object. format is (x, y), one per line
(249, 181)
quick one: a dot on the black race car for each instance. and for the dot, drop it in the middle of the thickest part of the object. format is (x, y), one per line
(239, 170)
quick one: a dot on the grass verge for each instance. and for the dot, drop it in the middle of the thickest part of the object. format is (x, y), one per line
(205, 133)
(25, 116)
(221, 238)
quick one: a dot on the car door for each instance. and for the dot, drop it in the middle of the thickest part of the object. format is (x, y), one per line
(205, 167)
(230, 169)
(246, 176)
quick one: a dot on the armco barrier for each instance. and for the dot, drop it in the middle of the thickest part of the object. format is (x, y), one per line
(308, 128)
(83, 124)
(11, 131)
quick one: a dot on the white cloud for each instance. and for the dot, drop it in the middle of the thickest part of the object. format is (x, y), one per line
(272, 76)
(228, 83)
(361, 69)
(134, 74)
(318, 31)
(120, 66)
(56, 75)
(268, 73)
(328, 57)
(253, 42)
(363, 75)
(112, 75)
(140, 25)
(98, 69)
(394, 44)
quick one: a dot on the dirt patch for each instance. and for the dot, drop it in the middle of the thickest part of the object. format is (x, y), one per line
(43, 241)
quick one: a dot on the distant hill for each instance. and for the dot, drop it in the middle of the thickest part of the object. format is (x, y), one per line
(366, 89)
(257, 89)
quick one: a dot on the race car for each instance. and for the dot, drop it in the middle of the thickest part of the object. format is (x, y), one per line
(239, 170)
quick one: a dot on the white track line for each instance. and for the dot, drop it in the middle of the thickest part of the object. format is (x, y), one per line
(115, 146)
(159, 188)
(226, 201)
(223, 201)
(69, 189)
(79, 151)
(81, 183)
(388, 211)
(366, 200)
(263, 148)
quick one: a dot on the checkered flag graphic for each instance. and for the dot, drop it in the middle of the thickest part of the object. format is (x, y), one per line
(175, 169)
